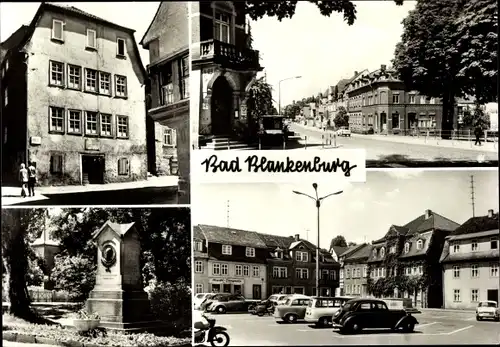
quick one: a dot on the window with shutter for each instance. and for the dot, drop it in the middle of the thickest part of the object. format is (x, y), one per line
(57, 30)
(56, 163)
(123, 167)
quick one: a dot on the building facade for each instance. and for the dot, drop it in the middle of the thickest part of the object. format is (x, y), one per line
(355, 272)
(224, 67)
(167, 94)
(379, 102)
(200, 262)
(471, 261)
(73, 100)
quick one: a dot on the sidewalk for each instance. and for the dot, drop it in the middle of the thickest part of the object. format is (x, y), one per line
(421, 140)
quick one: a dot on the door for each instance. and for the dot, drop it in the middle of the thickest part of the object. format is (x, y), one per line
(383, 121)
(237, 289)
(257, 292)
(92, 169)
(493, 295)
(227, 288)
(221, 107)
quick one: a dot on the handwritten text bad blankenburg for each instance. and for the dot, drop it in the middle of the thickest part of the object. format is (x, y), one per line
(255, 163)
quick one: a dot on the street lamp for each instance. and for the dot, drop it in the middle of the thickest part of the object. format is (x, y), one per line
(279, 91)
(318, 205)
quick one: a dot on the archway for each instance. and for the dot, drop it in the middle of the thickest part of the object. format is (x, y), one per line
(221, 106)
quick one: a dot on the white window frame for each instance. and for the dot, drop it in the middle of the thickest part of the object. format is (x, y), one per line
(365, 271)
(198, 288)
(102, 123)
(54, 82)
(420, 244)
(53, 36)
(250, 252)
(227, 249)
(74, 76)
(89, 131)
(91, 31)
(302, 256)
(121, 82)
(238, 270)
(246, 270)
(6, 96)
(456, 271)
(407, 247)
(72, 121)
(58, 117)
(126, 166)
(224, 269)
(393, 98)
(494, 269)
(474, 270)
(107, 89)
(302, 273)
(222, 24)
(198, 266)
(95, 80)
(474, 246)
(456, 247)
(216, 269)
(412, 98)
(120, 126)
(456, 295)
(118, 39)
(198, 245)
(255, 271)
(392, 249)
(168, 136)
(382, 252)
(474, 295)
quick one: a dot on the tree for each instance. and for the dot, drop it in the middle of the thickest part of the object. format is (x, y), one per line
(286, 9)
(291, 111)
(260, 99)
(350, 244)
(338, 241)
(427, 58)
(341, 118)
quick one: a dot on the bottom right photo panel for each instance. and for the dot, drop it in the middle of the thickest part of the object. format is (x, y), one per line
(407, 257)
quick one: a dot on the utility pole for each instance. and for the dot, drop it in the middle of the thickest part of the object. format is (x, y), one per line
(227, 213)
(472, 195)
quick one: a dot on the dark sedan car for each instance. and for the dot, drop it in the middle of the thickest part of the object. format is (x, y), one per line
(359, 314)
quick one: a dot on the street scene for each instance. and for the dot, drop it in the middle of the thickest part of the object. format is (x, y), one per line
(313, 273)
(92, 276)
(382, 102)
(84, 117)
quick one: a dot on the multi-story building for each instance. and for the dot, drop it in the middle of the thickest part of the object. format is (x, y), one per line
(73, 100)
(168, 93)
(200, 262)
(379, 102)
(236, 262)
(406, 260)
(224, 67)
(470, 261)
(355, 272)
(341, 258)
(291, 267)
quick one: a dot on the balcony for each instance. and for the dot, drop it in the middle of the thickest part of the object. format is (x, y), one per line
(226, 55)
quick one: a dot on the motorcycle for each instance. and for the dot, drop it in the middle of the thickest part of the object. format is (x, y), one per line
(215, 335)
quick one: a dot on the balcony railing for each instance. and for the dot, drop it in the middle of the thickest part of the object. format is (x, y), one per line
(227, 54)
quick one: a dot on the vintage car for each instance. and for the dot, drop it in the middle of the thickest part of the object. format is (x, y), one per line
(359, 314)
(344, 131)
(321, 309)
(274, 299)
(293, 309)
(200, 298)
(222, 303)
(488, 310)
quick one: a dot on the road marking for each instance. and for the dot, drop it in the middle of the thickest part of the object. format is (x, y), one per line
(426, 324)
(459, 330)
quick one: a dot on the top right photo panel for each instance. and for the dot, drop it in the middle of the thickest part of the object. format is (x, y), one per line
(414, 83)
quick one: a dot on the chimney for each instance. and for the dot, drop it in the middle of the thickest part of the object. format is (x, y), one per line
(297, 237)
(490, 213)
(428, 214)
(355, 73)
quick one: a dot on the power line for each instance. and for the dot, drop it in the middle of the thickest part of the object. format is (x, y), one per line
(472, 195)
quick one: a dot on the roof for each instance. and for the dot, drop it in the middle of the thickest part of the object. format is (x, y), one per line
(232, 236)
(197, 233)
(350, 249)
(494, 232)
(394, 231)
(447, 257)
(159, 23)
(413, 240)
(119, 229)
(435, 221)
(343, 83)
(477, 224)
(339, 250)
(361, 254)
(275, 241)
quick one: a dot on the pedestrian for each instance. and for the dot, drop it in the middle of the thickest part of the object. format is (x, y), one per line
(23, 178)
(31, 179)
(478, 132)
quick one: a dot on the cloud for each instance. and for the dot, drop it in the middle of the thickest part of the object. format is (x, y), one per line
(404, 173)
(392, 193)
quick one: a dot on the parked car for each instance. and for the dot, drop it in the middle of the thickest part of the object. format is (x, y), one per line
(223, 303)
(321, 309)
(359, 314)
(292, 310)
(488, 310)
(274, 299)
(200, 298)
(344, 131)
(283, 300)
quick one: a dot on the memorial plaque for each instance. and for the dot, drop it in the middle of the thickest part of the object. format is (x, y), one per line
(36, 140)
(91, 144)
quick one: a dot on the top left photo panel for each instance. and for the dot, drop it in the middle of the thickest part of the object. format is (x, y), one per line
(95, 103)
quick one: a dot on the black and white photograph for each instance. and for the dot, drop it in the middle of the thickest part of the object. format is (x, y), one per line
(96, 277)
(95, 103)
(344, 74)
(409, 257)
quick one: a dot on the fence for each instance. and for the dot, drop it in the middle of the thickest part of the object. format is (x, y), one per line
(42, 295)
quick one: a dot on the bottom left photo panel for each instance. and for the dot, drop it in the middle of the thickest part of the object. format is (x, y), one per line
(96, 276)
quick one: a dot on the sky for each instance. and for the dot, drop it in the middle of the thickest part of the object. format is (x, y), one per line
(362, 213)
(134, 15)
(324, 50)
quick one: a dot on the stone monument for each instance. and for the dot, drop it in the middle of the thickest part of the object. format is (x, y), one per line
(118, 296)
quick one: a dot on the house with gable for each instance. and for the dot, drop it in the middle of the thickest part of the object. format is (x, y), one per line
(470, 263)
(341, 259)
(355, 271)
(410, 254)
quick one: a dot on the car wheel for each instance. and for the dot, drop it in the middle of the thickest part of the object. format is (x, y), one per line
(291, 318)
(497, 319)
(324, 322)
(355, 328)
(260, 314)
(409, 327)
(220, 309)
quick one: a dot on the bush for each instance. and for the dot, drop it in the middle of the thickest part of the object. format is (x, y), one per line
(74, 274)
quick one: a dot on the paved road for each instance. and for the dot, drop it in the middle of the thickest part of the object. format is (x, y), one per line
(19, 344)
(381, 153)
(434, 328)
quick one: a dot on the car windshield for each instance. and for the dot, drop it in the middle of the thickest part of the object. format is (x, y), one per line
(199, 296)
(487, 304)
(347, 306)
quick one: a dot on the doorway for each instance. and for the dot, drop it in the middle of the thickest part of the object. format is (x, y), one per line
(257, 292)
(221, 107)
(492, 295)
(226, 288)
(383, 121)
(92, 169)
(237, 289)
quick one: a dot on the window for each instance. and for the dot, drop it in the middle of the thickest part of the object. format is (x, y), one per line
(456, 295)
(58, 30)
(407, 271)
(227, 249)
(198, 266)
(301, 256)
(56, 74)
(382, 252)
(474, 270)
(121, 86)
(412, 99)
(123, 167)
(365, 271)
(332, 275)
(91, 123)
(302, 273)
(341, 274)
(324, 274)
(474, 246)
(184, 77)
(279, 272)
(395, 98)
(250, 252)
(395, 120)
(167, 136)
(216, 269)
(420, 269)
(90, 80)
(105, 83)
(198, 246)
(347, 273)
(238, 270)
(432, 101)
(494, 270)
(199, 288)
(474, 297)
(420, 244)
(348, 289)
(120, 47)
(74, 77)
(456, 248)
(456, 272)
(407, 247)
(122, 126)
(75, 122)
(392, 249)
(57, 119)
(105, 125)
(374, 252)
(91, 38)
(494, 243)
(223, 269)
(56, 163)
(6, 96)
(222, 25)
(423, 99)
(256, 271)
(246, 270)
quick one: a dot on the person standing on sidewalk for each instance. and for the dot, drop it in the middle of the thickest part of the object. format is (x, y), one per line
(478, 132)
(23, 178)
(31, 179)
